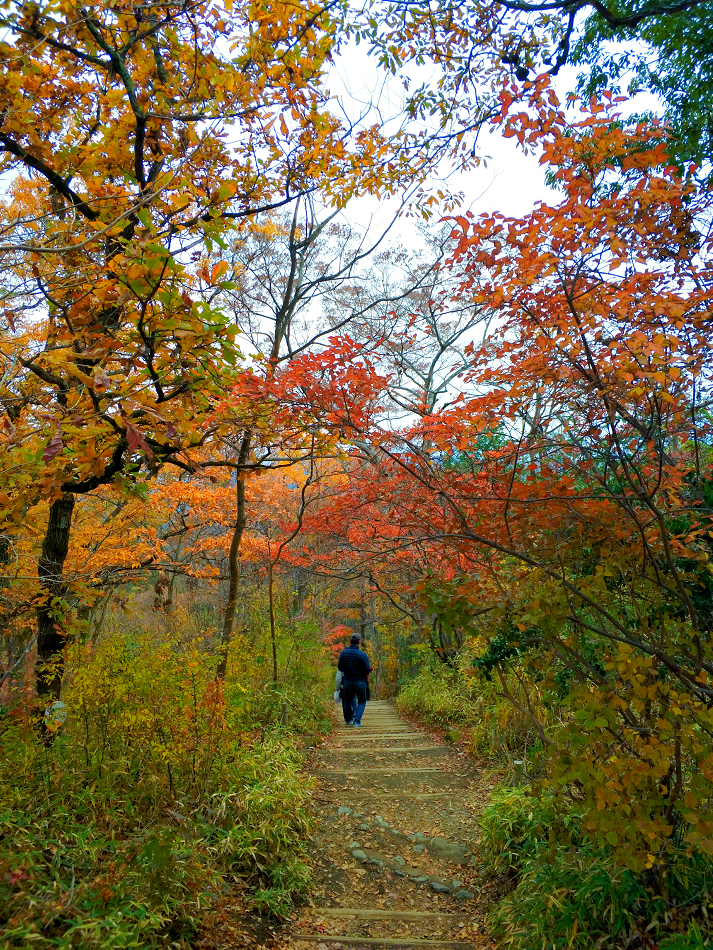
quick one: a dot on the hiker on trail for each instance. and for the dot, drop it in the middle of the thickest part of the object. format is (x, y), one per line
(355, 666)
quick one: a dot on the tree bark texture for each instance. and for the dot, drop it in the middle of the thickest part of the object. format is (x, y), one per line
(51, 637)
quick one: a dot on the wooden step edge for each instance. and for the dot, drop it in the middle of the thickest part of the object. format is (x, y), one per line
(371, 769)
(384, 914)
(383, 737)
(384, 941)
(417, 796)
(410, 748)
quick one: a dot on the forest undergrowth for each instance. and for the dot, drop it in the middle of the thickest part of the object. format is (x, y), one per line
(556, 887)
(163, 793)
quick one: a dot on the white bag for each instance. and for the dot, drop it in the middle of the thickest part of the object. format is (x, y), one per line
(338, 680)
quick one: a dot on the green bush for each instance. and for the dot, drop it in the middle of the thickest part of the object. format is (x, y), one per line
(438, 696)
(444, 695)
(156, 793)
(306, 715)
(562, 892)
(514, 829)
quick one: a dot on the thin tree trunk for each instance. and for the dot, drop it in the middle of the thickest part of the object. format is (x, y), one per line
(273, 561)
(99, 616)
(51, 637)
(273, 630)
(233, 558)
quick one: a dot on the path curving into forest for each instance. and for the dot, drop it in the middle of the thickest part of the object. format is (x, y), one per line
(394, 840)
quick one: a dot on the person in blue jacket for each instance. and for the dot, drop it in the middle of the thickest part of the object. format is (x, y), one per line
(355, 666)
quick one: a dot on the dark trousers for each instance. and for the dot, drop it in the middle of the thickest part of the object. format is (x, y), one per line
(353, 699)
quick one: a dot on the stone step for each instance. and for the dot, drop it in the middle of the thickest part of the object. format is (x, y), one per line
(350, 733)
(349, 741)
(366, 737)
(370, 769)
(408, 748)
(382, 720)
(385, 941)
(382, 714)
(373, 736)
(382, 914)
(365, 733)
(416, 796)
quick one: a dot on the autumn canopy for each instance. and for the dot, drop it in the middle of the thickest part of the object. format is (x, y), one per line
(235, 428)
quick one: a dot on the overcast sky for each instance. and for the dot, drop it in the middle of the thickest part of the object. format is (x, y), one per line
(509, 181)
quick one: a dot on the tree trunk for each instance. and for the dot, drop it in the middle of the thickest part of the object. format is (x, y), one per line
(273, 629)
(51, 636)
(300, 594)
(233, 559)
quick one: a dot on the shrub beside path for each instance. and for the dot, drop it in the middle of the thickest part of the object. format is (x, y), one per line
(394, 841)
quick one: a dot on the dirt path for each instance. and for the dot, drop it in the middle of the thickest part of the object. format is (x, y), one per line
(394, 840)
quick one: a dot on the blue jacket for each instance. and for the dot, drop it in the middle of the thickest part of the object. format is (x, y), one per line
(354, 663)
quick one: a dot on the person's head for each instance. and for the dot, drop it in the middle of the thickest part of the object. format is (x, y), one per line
(354, 640)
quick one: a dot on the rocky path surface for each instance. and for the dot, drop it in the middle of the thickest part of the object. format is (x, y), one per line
(394, 838)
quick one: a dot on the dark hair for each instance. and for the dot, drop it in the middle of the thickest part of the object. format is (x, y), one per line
(355, 638)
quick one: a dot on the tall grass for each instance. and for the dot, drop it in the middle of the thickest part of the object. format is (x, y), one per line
(160, 790)
(561, 891)
(455, 695)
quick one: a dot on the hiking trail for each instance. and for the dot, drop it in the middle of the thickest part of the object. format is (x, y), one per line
(393, 841)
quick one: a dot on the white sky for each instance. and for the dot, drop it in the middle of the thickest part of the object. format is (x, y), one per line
(509, 181)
